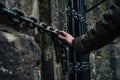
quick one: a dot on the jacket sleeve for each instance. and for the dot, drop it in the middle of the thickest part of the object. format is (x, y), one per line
(105, 31)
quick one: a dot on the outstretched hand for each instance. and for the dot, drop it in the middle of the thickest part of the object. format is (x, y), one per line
(66, 37)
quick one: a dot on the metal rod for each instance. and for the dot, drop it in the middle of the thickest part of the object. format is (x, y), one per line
(95, 6)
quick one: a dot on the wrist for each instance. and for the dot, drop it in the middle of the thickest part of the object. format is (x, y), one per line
(73, 42)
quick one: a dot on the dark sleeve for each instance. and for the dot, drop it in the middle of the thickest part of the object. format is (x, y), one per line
(105, 31)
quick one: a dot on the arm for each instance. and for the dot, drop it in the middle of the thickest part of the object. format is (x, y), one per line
(105, 30)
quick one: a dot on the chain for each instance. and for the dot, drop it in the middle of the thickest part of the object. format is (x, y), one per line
(15, 16)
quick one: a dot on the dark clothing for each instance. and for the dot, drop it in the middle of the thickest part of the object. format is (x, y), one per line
(105, 31)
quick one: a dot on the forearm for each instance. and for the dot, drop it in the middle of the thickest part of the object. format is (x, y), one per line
(106, 30)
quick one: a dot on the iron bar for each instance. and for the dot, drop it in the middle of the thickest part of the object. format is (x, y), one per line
(95, 6)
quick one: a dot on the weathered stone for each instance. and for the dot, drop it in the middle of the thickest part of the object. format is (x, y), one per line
(19, 57)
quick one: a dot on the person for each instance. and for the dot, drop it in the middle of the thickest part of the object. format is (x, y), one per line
(105, 31)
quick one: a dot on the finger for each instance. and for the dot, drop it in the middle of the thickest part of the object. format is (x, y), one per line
(62, 37)
(63, 33)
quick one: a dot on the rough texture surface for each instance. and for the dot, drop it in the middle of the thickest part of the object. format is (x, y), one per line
(19, 57)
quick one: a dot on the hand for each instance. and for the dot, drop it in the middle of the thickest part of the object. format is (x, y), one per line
(66, 37)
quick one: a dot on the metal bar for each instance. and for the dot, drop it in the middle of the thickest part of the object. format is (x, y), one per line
(83, 27)
(77, 10)
(95, 5)
(73, 33)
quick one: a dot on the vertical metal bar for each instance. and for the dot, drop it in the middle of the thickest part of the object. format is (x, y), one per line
(67, 49)
(83, 29)
(68, 62)
(73, 33)
(73, 30)
(78, 3)
(80, 31)
(77, 28)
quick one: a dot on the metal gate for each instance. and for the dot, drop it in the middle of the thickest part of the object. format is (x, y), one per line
(79, 67)
(76, 19)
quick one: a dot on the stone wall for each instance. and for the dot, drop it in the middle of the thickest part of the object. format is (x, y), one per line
(105, 61)
(20, 54)
(21, 51)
